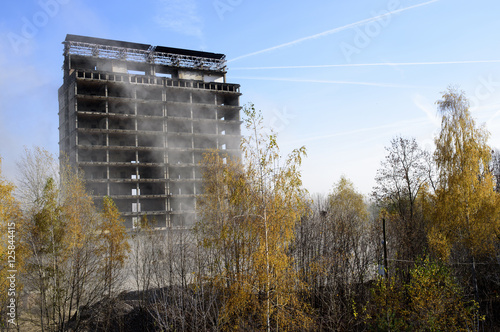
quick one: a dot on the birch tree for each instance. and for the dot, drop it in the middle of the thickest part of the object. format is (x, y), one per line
(13, 254)
(249, 215)
(466, 214)
(467, 207)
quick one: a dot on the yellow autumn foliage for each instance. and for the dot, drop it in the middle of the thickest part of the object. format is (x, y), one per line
(247, 221)
(467, 207)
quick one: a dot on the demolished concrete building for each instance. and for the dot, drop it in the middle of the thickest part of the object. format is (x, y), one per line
(137, 118)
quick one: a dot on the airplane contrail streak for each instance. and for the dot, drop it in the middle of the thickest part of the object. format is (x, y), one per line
(395, 125)
(371, 64)
(383, 85)
(332, 31)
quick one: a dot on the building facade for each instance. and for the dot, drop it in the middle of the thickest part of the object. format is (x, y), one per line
(137, 118)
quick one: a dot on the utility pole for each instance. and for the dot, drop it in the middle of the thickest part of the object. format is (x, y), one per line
(386, 268)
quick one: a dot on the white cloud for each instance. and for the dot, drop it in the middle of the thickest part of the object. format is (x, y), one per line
(180, 16)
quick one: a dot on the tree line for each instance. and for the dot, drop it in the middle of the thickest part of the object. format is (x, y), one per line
(419, 254)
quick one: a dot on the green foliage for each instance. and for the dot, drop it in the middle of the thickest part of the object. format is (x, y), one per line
(431, 301)
(437, 301)
(386, 309)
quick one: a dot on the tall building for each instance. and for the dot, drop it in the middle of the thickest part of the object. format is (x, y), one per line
(137, 118)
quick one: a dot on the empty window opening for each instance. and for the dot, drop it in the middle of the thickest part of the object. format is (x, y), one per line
(136, 72)
(136, 207)
(136, 192)
(164, 75)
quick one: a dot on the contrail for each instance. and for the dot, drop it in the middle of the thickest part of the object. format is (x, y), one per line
(398, 125)
(383, 85)
(332, 31)
(370, 64)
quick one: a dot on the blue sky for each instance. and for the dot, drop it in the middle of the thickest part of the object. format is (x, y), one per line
(340, 77)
